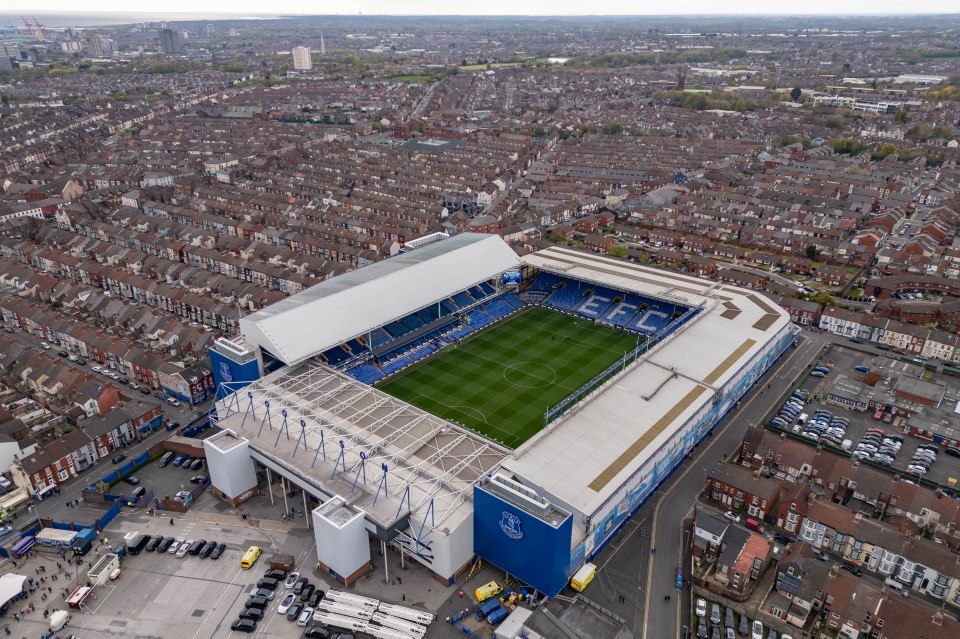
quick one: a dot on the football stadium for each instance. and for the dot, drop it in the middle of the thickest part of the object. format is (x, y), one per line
(458, 401)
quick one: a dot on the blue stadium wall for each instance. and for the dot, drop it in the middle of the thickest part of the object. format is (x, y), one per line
(230, 376)
(520, 543)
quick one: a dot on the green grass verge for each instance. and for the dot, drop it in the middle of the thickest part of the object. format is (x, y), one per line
(500, 382)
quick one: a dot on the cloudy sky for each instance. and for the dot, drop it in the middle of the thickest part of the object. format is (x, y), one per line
(494, 7)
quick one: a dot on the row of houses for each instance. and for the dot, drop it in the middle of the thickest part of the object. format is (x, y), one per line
(96, 439)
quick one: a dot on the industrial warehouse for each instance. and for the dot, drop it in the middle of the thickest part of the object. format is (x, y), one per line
(365, 396)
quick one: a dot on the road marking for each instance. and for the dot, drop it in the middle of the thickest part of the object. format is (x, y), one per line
(677, 480)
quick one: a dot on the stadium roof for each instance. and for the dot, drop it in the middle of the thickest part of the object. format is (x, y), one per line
(438, 460)
(585, 459)
(352, 304)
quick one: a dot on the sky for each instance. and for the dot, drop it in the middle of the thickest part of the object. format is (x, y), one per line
(494, 7)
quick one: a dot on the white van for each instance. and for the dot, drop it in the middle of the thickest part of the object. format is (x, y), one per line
(802, 419)
(893, 584)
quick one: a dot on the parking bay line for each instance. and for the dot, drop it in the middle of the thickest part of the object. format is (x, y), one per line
(232, 582)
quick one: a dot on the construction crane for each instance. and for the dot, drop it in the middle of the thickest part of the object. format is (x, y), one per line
(33, 28)
(29, 27)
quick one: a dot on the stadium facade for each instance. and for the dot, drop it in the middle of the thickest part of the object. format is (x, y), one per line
(297, 399)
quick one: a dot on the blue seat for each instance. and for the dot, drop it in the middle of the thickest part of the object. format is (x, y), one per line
(380, 337)
(462, 300)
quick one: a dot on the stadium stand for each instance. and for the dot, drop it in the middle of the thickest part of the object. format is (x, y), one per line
(462, 300)
(367, 373)
(565, 299)
(380, 337)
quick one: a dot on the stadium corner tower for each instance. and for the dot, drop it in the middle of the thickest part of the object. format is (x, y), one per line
(299, 403)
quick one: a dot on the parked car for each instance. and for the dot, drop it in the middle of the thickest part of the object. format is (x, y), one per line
(44, 346)
(286, 603)
(218, 551)
(292, 579)
(757, 631)
(316, 598)
(118, 458)
(243, 625)
(207, 549)
(184, 548)
(179, 460)
(306, 591)
(132, 480)
(715, 614)
(305, 617)
(252, 613)
(319, 632)
(294, 612)
(145, 391)
(164, 544)
(175, 546)
(275, 573)
(262, 592)
(300, 585)
(744, 629)
(852, 569)
(81, 362)
(197, 464)
(268, 583)
(153, 543)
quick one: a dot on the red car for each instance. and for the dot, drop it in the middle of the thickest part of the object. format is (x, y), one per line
(879, 414)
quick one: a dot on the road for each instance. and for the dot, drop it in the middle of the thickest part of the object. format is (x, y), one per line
(674, 501)
(55, 507)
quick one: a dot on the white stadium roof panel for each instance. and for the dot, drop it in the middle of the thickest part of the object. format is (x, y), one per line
(352, 304)
(585, 458)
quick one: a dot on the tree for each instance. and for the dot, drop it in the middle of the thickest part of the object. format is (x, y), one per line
(795, 94)
(617, 250)
(900, 117)
(812, 252)
(614, 128)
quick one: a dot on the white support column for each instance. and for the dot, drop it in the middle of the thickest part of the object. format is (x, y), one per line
(306, 515)
(269, 484)
(283, 485)
(386, 566)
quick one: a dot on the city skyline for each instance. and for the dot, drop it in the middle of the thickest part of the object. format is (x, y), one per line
(500, 7)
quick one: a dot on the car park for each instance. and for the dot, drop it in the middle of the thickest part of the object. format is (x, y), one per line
(286, 603)
(243, 625)
(218, 551)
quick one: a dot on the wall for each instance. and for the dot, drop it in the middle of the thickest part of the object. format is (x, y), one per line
(227, 371)
(527, 547)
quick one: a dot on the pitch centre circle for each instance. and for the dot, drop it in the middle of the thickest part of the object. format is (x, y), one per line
(529, 374)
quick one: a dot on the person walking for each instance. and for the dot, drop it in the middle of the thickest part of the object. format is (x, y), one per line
(171, 521)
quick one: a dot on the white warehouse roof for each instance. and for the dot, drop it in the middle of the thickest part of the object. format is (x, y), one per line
(352, 304)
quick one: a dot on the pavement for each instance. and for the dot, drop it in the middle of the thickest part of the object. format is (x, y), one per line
(674, 501)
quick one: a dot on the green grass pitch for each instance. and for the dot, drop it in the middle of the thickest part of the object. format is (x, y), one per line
(500, 382)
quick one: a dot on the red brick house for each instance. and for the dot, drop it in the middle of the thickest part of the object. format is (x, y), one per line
(802, 312)
(739, 488)
(59, 460)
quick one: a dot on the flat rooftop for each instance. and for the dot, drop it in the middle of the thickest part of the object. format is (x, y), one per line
(585, 458)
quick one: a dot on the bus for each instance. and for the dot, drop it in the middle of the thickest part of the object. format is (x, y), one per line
(583, 576)
(345, 610)
(23, 546)
(350, 599)
(407, 627)
(410, 614)
(250, 557)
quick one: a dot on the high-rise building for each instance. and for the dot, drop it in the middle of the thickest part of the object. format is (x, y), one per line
(301, 59)
(100, 46)
(170, 41)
